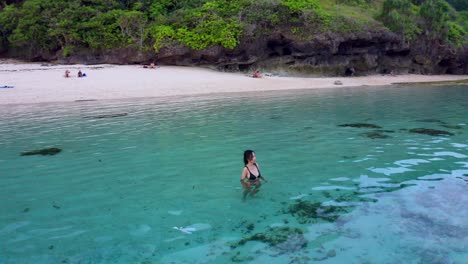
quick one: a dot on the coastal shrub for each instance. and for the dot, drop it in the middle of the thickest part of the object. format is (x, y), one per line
(401, 16)
(438, 22)
(68, 27)
(8, 20)
(456, 34)
(103, 31)
(31, 32)
(208, 33)
(66, 51)
(310, 12)
(297, 6)
(362, 3)
(133, 25)
(162, 36)
(212, 23)
(262, 15)
(435, 15)
(462, 20)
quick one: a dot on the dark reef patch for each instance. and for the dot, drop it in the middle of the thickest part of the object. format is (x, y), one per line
(375, 135)
(44, 152)
(430, 132)
(107, 116)
(308, 212)
(283, 239)
(430, 120)
(360, 125)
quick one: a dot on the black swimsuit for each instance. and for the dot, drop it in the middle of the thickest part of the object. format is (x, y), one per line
(252, 176)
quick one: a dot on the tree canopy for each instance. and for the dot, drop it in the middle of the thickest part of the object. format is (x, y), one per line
(66, 26)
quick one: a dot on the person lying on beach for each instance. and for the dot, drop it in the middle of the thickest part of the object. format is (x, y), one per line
(67, 74)
(256, 74)
(251, 175)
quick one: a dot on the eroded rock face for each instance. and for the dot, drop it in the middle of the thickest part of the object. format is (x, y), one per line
(118, 56)
(327, 54)
(361, 53)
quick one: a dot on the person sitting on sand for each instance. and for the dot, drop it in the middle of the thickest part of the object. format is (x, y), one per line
(256, 74)
(67, 73)
(251, 175)
(152, 66)
(80, 74)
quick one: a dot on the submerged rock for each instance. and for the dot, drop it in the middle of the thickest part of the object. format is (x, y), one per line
(360, 125)
(431, 132)
(430, 120)
(307, 212)
(375, 135)
(385, 131)
(282, 239)
(107, 116)
(46, 151)
(292, 244)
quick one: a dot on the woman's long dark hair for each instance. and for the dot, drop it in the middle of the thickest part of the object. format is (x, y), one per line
(248, 156)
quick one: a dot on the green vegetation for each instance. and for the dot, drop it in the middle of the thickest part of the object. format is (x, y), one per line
(67, 26)
(435, 19)
(459, 4)
(400, 16)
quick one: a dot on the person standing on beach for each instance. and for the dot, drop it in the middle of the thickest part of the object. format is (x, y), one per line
(251, 175)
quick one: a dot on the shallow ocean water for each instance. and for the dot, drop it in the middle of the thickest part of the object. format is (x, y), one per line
(159, 182)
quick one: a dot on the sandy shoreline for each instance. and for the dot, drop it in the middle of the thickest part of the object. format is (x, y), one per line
(34, 83)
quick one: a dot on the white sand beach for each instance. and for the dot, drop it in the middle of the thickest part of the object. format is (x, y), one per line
(36, 83)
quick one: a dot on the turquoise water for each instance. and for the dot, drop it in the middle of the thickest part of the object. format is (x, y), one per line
(124, 189)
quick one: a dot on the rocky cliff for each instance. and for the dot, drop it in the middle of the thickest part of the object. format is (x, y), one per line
(379, 52)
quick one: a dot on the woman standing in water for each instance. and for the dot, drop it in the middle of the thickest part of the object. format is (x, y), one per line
(251, 175)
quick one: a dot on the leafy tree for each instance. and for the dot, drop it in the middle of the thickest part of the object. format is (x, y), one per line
(438, 22)
(297, 6)
(32, 30)
(8, 22)
(462, 19)
(400, 16)
(103, 31)
(213, 23)
(435, 15)
(132, 25)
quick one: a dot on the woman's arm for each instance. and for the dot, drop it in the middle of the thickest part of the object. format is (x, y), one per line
(243, 177)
